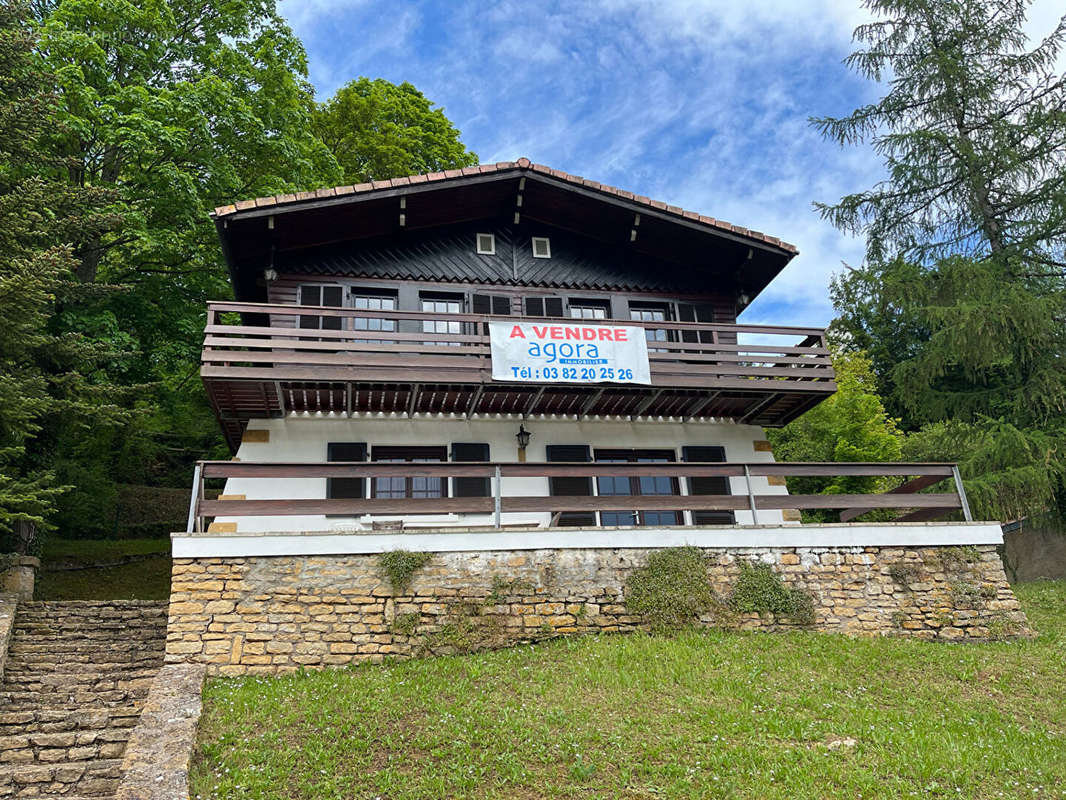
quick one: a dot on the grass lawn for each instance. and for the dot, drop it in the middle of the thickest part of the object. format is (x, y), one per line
(146, 579)
(694, 715)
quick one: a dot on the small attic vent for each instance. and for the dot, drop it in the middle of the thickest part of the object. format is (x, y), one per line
(542, 247)
(486, 244)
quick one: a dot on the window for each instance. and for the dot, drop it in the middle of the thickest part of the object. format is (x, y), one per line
(486, 244)
(365, 300)
(582, 308)
(646, 485)
(444, 304)
(316, 294)
(400, 486)
(542, 247)
(544, 306)
(471, 487)
(348, 488)
(652, 312)
(708, 485)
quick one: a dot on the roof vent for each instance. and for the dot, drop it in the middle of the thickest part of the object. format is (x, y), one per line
(542, 247)
(486, 244)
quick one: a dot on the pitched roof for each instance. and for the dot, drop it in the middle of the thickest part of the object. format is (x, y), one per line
(289, 200)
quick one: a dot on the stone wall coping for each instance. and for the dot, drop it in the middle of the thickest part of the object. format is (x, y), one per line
(8, 608)
(156, 763)
(286, 543)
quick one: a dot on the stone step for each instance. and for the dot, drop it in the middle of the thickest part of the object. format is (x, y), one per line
(43, 720)
(88, 778)
(71, 701)
(18, 668)
(49, 748)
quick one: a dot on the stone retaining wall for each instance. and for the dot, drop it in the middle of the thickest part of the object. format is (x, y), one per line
(278, 613)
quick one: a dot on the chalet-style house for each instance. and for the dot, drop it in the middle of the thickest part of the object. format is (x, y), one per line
(466, 407)
(508, 347)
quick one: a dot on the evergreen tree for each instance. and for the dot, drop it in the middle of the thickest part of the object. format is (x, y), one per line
(49, 379)
(962, 300)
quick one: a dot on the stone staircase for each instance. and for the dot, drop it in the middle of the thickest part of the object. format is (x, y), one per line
(75, 680)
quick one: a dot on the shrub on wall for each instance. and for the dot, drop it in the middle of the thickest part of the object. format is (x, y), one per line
(672, 589)
(400, 567)
(760, 589)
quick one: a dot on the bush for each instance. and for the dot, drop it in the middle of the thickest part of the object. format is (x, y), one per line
(760, 589)
(672, 589)
(400, 566)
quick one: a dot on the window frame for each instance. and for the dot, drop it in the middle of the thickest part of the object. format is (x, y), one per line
(442, 483)
(491, 251)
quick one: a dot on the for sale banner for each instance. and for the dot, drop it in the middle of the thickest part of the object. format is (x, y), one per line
(568, 353)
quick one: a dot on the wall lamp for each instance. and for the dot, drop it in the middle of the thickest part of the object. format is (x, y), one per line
(523, 436)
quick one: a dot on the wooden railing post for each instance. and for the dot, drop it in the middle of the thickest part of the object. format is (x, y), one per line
(966, 515)
(751, 495)
(498, 494)
(194, 501)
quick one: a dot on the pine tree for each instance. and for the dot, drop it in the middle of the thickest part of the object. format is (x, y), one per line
(47, 379)
(961, 302)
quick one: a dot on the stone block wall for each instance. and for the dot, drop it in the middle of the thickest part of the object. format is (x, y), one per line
(279, 613)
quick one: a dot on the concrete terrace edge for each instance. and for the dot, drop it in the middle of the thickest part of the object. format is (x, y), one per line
(238, 545)
(156, 763)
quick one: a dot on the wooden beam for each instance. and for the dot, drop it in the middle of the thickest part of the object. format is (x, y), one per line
(536, 399)
(768, 400)
(915, 485)
(701, 404)
(591, 402)
(412, 401)
(476, 399)
(646, 403)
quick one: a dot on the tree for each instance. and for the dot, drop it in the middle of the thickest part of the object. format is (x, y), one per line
(852, 425)
(961, 302)
(377, 130)
(49, 379)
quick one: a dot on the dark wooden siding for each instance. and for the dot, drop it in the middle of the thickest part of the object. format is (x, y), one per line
(449, 255)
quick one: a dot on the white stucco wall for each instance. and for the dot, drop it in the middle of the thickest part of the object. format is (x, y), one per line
(305, 439)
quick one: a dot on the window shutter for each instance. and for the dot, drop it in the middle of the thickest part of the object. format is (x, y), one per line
(332, 296)
(481, 304)
(553, 306)
(571, 487)
(501, 305)
(708, 485)
(471, 487)
(349, 488)
(310, 296)
(534, 306)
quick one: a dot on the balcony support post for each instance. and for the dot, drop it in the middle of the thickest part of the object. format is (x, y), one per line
(476, 399)
(536, 399)
(497, 495)
(751, 495)
(966, 515)
(413, 401)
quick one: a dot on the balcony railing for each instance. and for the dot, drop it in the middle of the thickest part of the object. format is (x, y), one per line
(334, 360)
(908, 497)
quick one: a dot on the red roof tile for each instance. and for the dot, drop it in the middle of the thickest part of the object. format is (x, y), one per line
(483, 169)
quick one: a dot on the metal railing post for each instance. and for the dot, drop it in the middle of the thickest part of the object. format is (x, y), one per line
(751, 495)
(966, 515)
(194, 500)
(498, 495)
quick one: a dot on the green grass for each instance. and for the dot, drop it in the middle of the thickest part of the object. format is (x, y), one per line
(694, 715)
(147, 579)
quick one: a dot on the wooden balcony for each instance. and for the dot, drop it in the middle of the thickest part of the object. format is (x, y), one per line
(287, 359)
(909, 498)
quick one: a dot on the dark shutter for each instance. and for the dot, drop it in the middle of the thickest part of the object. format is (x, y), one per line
(571, 487)
(310, 296)
(544, 306)
(471, 487)
(332, 296)
(501, 305)
(708, 485)
(350, 488)
(480, 304)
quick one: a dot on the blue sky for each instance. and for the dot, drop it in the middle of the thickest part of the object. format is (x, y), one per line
(700, 104)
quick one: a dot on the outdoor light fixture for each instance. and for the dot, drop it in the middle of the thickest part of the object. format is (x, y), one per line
(523, 436)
